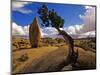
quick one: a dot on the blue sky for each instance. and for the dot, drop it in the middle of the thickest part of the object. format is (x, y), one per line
(79, 19)
(70, 13)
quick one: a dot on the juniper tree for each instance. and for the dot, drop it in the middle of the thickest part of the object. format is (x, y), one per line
(51, 18)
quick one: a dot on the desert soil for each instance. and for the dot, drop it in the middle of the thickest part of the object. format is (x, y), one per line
(50, 59)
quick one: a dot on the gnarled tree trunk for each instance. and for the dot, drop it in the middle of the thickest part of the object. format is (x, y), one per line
(72, 55)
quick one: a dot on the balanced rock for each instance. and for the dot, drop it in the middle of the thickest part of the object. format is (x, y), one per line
(34, 33)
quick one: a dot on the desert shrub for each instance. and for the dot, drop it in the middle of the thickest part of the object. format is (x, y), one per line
(86, 43)
(59, 40)
(23, 58)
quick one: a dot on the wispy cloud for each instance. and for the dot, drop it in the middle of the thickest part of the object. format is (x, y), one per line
(20, 7)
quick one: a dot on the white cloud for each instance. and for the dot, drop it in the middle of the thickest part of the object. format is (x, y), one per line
(19, 30)
(71, 30)
(22, 30)
(19, 6)
(52, 32)
(26, 29)
(49, 31)
(22, 10)
(87, 34)
(89, 19)
(74, 29)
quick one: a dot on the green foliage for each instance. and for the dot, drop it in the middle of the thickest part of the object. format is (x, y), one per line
(56, 21)
(50, 17)
(43, 12)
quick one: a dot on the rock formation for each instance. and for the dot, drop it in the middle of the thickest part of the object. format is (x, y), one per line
(34, 33)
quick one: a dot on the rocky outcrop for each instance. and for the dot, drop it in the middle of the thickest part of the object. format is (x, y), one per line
(34, 33)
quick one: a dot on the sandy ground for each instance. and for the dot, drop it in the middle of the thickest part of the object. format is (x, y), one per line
(50, 59)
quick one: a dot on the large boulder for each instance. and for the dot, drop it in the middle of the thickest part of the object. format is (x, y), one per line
(34, 33)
